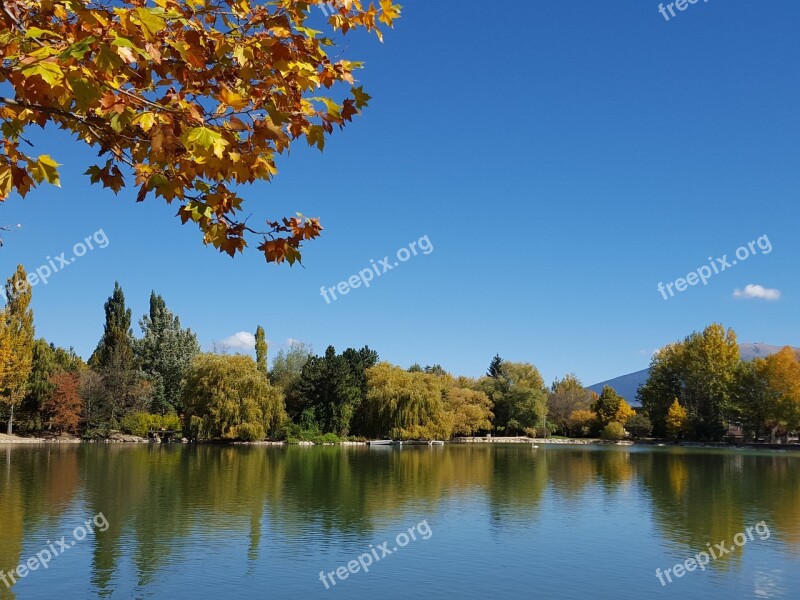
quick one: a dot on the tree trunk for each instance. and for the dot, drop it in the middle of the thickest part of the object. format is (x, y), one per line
(10, 421)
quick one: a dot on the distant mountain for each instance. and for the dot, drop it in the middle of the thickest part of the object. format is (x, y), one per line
(627, 385)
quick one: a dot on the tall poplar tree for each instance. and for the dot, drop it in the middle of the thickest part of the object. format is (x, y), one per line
(16, 342)
(261, 350)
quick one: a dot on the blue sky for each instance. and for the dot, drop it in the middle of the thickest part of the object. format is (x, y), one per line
(563, 158)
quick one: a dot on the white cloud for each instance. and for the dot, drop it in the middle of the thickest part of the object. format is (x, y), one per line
(757, 291)
(243, 340)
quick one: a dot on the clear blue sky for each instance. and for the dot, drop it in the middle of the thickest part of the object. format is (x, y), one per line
(562, 157)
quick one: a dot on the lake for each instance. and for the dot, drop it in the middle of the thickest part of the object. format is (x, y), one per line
(485, 520)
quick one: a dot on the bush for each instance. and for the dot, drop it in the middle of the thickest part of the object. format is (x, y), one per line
(639, 426)
(613, 431)
(139, 423)
(250, 432)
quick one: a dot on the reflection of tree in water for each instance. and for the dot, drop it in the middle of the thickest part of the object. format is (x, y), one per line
(37, 486)
(778, 488)
(349, 490)
(707, 497)
(518, 483)
(162, 500)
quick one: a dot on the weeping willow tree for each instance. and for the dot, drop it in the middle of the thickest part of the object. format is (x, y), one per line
(405, 405)
(228, 397)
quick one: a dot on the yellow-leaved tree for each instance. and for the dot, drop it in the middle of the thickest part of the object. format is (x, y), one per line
(16, 342)
(624, 412)
(676, 420)
(783, 375)
(192, 98)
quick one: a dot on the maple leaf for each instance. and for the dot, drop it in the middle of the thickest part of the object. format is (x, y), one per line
(186, 95)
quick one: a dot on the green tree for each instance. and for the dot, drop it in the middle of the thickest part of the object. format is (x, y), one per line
(331, 389)
(261, 350)
(16, 342)
(288, 364)
(712, 360)
(701, 372)
(755, 400)
(124, 387)
(613, 431)
(639, 426)
(116, 346)
(519, 397)
(227, 397)
(164, 354)
(607, 405)
(664, 384)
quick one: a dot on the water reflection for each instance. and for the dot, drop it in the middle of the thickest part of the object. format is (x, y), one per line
(158, 495)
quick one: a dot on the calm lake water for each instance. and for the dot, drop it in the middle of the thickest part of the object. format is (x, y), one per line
(489, 521)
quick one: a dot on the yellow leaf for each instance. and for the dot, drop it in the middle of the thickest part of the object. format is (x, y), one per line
(232, 99)
(46, 169)
(145, 121)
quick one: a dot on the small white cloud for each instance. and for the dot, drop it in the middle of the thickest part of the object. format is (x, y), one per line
(757, 291)
(243, 340)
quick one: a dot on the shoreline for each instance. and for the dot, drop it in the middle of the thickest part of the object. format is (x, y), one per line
(119, 438)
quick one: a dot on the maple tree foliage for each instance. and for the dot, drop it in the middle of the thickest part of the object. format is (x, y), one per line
(64, 404)
(192, 98)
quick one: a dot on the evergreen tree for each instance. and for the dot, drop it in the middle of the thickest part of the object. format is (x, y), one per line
(261, 350)
(165, 353)
(16, 342)
(495, 367)
(124, 388)
(116, 346)
(331, 390)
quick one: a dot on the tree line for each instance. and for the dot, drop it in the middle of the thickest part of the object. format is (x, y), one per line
(696, 390)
